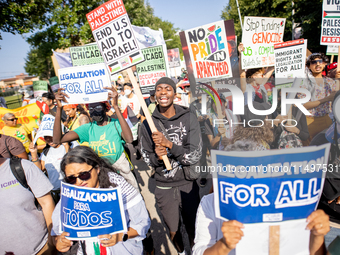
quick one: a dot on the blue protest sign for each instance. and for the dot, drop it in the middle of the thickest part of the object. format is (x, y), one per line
(45, 127)
(84, 84)
(87, 212)
(268, 186)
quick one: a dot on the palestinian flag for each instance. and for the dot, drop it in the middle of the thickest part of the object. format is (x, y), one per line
(114, 67)
(331, 14)
(136, 57)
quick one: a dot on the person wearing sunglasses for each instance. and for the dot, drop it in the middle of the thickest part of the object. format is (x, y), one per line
(322, 91)
(105, 135)
(83, 167)
(18, 131)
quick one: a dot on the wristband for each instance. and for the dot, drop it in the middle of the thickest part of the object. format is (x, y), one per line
(35, 160)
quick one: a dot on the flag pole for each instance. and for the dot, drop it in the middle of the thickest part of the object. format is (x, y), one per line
(239, 13)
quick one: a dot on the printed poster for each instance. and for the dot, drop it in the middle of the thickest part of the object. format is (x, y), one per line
(88, 212)
(39, 88)
(332, 50)
(54, 83)
(88, 54)
(268, 186)
(290, 61)
(210, 54)
(28, 115)
(152, 69)
(114, 35)
(259, 35)
(173, 58)
(84, 84)
(330, 26)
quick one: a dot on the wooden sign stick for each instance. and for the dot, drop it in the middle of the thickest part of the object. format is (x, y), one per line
(146, 112)
(274, 240)
(218, 107)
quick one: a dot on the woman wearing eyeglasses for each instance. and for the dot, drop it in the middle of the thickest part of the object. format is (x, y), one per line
(18, 131)
(322, 91)
(83, 167)
(104, 135)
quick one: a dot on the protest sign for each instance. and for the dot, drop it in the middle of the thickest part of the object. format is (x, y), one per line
(332, 50)
(268, 186)
(28, 115)
(86, 55)
(210, 54)
(46, 127)
(84, 84)
(88, 212)
(173, 58)
(113, 33)
(330, 26)
(259, 35)
(152, 69)
(54, 83)
(290, 61)
(39, 88)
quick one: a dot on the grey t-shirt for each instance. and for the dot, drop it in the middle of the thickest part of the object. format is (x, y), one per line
(22, 228)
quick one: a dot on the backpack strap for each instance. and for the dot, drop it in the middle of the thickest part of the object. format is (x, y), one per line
(18, 172)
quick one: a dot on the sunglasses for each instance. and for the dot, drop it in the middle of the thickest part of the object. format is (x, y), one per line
(313, 62)
(12, 119)
(98, 108)
(84, 176)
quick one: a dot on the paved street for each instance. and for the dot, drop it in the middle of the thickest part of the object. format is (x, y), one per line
(160, 235)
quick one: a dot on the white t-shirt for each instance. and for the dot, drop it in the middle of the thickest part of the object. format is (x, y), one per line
(134, 104)
(52, 164)
(294, 238)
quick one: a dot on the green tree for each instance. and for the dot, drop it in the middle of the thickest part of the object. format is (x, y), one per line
(68, 26)
(306, 13)
(22, 16)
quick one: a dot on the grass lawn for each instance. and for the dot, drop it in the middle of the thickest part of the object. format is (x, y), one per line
(14, 101)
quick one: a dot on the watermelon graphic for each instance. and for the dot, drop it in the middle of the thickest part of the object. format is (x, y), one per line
(212, 28)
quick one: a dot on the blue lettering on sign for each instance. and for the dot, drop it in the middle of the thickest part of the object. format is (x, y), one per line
(93, 88)
(81, 219)
(48, 126)
(72, 88)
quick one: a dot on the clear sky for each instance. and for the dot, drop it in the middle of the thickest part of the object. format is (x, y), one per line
(184, 14)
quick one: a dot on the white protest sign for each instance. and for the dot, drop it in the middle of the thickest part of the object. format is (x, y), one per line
(330, 26)
(290, 61)
(114, 35)
(259, 35)
(45, 127)
(84, 84)
(208, 53)
(332, 50)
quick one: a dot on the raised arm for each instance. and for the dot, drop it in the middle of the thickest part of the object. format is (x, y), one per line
(243, 80)
(126, 130)
(58, 138)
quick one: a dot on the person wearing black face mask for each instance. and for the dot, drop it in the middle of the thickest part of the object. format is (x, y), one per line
(104, 135)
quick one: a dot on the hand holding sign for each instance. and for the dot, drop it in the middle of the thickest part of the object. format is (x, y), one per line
(110, 240)
(62, 243)
(60, 96)
(159, 139)
(113, 95)
(232, 233)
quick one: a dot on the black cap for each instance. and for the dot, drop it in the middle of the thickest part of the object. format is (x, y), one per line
(166, 80)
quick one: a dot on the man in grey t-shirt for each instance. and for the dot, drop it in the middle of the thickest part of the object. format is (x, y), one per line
(23, 228)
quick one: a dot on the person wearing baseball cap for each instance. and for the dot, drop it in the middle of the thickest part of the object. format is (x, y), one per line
(178, 137)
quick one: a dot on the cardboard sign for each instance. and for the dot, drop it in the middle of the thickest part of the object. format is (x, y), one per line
(173, 58)
(268, 186)
(152, 69)
(114, 35)
(290, 61)
(330, 26)
(39, 88)
(46, 127)
(54, 83)
(208, 51)
(332, 50)
(88, 212)
(258, 37)
(85, 84)
(86, 55)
